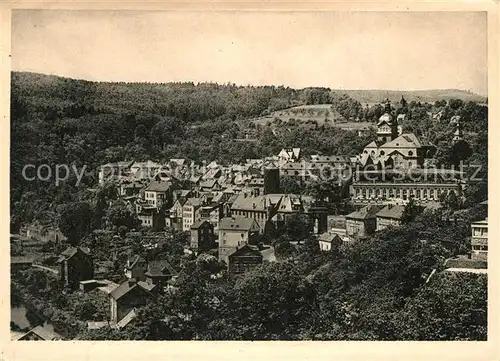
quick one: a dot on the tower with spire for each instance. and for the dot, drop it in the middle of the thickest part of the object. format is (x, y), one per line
(403, 102)
(387, 127)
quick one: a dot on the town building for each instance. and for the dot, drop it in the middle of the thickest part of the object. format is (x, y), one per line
(235, 232)
(244, 259)
(392, 149)
(289, 154)
(479, 240)
(39, 333)
(159, 272)
(458, 135)
(175, 215)
(158, 194)
(149, 215)
(18, 263)
(135, 268)
(363, 222)
(329, 240)
(129, 296)
(333, 162)
(75, 265)
(190, 212)
(202, 236)
(271, 211)
(213, 213)
(390, 215)
(298, 171)
(364, 131)
(130, 189)
(424, 186)
(112, 172)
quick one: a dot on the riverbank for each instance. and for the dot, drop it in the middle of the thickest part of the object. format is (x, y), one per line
(39, 306)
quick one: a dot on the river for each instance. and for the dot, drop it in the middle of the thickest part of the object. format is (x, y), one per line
(23, 319)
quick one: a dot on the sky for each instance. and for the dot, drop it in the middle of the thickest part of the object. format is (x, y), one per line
(340, 50)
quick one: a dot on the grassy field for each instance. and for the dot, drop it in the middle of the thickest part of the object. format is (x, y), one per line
(309, 114)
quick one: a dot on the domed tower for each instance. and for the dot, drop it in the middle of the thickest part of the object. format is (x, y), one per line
(387, 127)
(459, 133)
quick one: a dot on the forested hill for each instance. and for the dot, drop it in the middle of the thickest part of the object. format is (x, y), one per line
(218, 99)
(430, 96)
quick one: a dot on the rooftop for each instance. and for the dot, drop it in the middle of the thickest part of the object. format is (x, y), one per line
(160, 268)
(236, 224)
(128, 286)
(391, 211)
(364, 213)
(155, 186)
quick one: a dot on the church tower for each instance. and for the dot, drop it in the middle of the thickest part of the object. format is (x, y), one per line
(403, 102)
(459, 133)
(387, 127)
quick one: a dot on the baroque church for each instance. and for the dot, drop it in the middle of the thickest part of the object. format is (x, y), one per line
(394, 148)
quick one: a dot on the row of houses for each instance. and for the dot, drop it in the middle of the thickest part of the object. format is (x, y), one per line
(370, 219)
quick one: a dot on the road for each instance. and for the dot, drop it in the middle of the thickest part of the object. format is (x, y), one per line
(45, 268)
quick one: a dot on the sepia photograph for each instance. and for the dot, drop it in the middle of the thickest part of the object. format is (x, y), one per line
(248, 175)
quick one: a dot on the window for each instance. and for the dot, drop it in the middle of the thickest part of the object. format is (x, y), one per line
(410, 154)
(382, 152)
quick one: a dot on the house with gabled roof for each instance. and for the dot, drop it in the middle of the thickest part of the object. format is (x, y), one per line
(329, 240)
(390, 215)
(289, 154)
(159, 272)
(208, 185)
(158, 194)
(135, 268)
(175, 214)
(202, 235)
(235, 232)
(244, 259)
(39, 333)
(129, 296)
(363, 222)
(75, 265)
(190, 212)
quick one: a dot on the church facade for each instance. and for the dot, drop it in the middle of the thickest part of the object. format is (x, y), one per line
(392, 149)
(390, 170)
